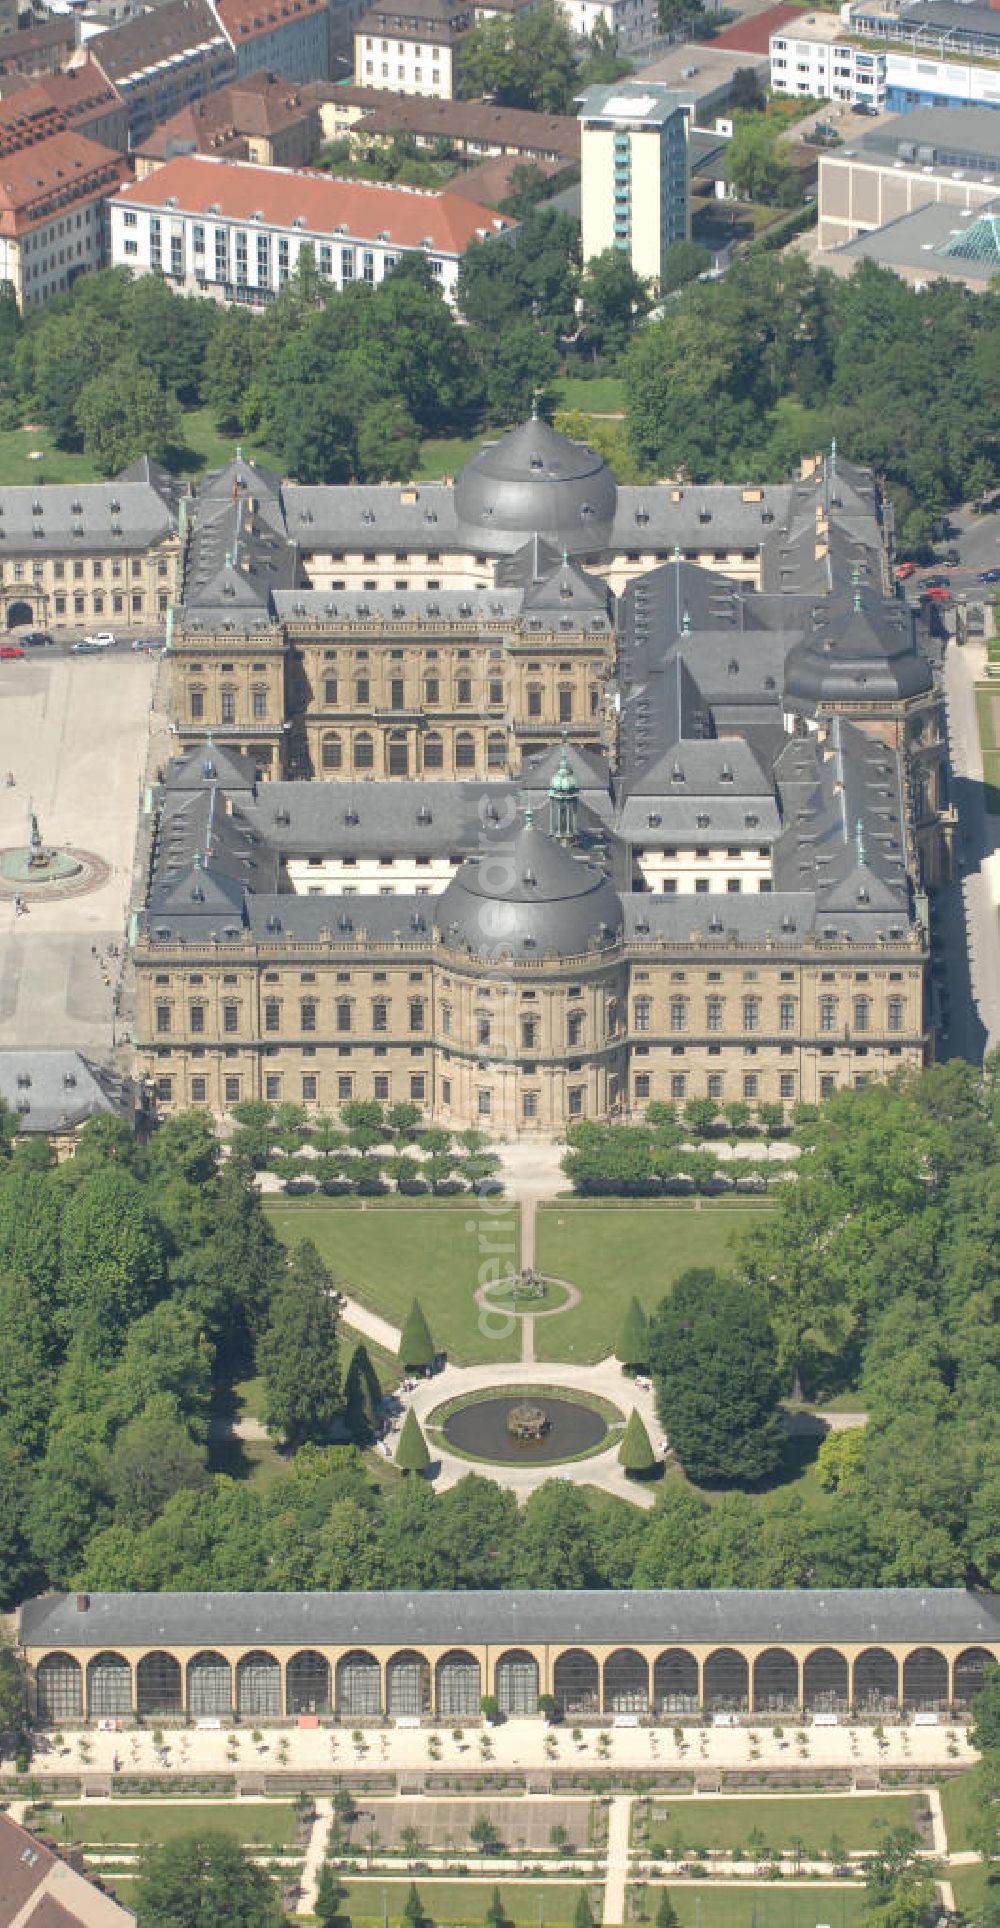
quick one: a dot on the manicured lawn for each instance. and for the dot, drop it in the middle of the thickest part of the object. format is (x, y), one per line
(610, 1252)
(385, 1257)
(859, 1820)
(56, 465)
(969, 1885)
(202, 447)
(605, 395)
(961, 1811)
(703, 1904)
(115, 1824)
(987, 700)
(549, 1902)
(445, 455)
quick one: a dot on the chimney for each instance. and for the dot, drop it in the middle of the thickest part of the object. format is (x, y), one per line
(82, 1602)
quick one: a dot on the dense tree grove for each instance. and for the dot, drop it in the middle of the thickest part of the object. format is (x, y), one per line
(742, 376)
(735, 380)
(336, 385)
(138, 1282)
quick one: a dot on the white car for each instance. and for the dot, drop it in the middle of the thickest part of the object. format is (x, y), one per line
(101, 639)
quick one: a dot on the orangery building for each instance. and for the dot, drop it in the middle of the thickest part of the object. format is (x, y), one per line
(367, 1656)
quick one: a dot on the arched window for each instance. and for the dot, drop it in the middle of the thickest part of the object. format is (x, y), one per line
(675, 1682)
(465, 751)
(307, 1684)
(258, 1685)
(209, 1686)
(433, 751)
(517, 1683)
(876, 1681)
(577, 1683)
(332, 751)
(626, 1683)
(109, 1686)
(359, 1685)
(456, 1685)
(970, 1674)
(925, 1679)
(158, 1685)
(59, 1688)
(825, 1681)
(727, 1680)
(408, 1684)
(496, 751)
(775, 1682)
(364, 751)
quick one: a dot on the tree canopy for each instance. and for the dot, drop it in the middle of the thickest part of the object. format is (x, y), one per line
(714, 1362)
(204, 1880)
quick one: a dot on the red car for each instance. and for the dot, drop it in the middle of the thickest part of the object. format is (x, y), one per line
(905, 570)
(937, 595)
(10, 652)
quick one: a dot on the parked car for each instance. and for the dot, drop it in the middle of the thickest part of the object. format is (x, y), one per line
(905, 571)
(936, 593)
(952, 558)
(937, 582)
(34, 639)
(10, 652)
(988, 575)
(101, 639)
(85, 647)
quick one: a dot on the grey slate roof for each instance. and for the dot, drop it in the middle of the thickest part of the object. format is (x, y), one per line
(105, 518)
(126, 54)
(483, 606)
(528, 897)
(535, 481)
(859, 648)
(845, 836)
(374, 819)
(371, 516)
(863, 1615)
(717, 517)
(58, 1090)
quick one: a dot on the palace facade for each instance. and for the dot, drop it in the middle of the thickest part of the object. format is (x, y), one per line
(530, 851)
(364, 1656)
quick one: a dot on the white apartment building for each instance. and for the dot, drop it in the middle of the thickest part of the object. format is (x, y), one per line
(633, 23)
(816, 57)
(415, 53)
(634, 173)
(234, 230)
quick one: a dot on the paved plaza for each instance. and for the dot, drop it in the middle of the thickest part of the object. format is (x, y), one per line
(514, 1744)
(74, 732)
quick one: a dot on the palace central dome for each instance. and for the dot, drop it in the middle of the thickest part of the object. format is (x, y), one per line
(535, 482)
(526, 896)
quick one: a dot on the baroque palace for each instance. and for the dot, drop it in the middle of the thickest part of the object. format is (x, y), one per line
(364, 1656)
(532, 798)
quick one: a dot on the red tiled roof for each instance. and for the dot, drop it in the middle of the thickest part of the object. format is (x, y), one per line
(262, 104)
(490, 182)
(753, 36)
(243, 19)
(475, 120)
(78, 92)
(279, 195)
(37, 183)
